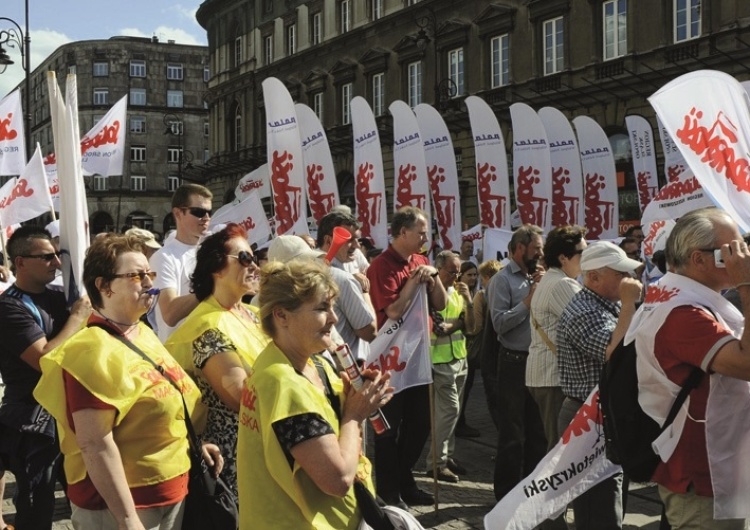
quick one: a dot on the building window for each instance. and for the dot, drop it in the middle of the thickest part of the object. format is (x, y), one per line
(687, 19)
(411, 2)
(137, 68)
(291, 39)
(414, 74)
(346, 101)
(206, 155)
(345, 14)
(499, 48)
(100, 183)
(101, 96)
(101, 69)
(378, 94)
(174, 72)
(377, 9)
(268, 49)
(72, 69)
(237, 51)
(456, 69)
(138, 96)
(615, 15)
(174, 98)
(137, 153)
(137, 183)
(206, 128)
(553, 46)
(317, 28)
(138, 124)
(459, 163)
(317, 105)
(238, 129)
(173, 154)
(206, 73)
(173, 182)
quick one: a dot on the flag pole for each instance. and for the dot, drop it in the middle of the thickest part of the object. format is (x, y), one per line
(52, 213)
(434, 446)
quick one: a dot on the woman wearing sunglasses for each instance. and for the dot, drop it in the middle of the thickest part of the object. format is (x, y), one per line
(121, 422)
(219, 341)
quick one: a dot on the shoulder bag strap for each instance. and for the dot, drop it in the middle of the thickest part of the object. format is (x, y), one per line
(542, 334)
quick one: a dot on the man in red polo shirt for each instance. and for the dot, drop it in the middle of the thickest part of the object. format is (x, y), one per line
(395, 277)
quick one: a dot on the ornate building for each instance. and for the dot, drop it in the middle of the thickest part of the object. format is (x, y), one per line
(600, 58)
(167, 129)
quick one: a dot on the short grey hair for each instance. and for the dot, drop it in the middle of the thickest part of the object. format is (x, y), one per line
(523, 236)
(693, 231)
(442, 258)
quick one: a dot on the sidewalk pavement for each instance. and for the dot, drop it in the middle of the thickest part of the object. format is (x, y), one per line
(462, 505)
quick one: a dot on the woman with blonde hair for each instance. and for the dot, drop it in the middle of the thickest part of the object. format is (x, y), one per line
(299, 449)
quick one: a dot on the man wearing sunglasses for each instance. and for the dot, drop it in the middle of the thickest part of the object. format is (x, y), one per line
(34, 321)
(175, 261)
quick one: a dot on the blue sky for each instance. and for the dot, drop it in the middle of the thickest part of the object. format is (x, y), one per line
(56, 22)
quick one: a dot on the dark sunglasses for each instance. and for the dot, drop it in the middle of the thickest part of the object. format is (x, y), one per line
(245, 258)
(46, 257)
(137, 276)
(200, 213)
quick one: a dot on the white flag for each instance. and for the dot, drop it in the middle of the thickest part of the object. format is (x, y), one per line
(644, 158)
(442, 174)
(674, 163)
(284, 152)
(567, 180)
(707, 114)
(402, 346)
(320, 176)
(12, 141)
(257, 180)
(572, 467)
(369, 181)
(249, 214)
(74, 230)
(532, 168)
(599, 181)
(29, 197)
(493, 186)
(474, 234)
(496, 242)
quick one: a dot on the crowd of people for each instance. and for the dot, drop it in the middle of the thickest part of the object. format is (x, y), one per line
(240, 339)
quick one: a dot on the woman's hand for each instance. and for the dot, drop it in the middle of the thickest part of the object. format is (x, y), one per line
(375, 393)
(212, 456)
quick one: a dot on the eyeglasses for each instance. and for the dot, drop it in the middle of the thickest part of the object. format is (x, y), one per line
(245, 258)
(46, 257)
(200, 213)
(137, 276)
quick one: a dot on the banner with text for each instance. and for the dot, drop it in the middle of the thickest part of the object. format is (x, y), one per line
(403, 346)
(320, 176)
(249, 214)
(532, 169)
(600, 199)
(369, 180)
(12, 138)
(257, 180)
(496, 242)
(442, 174)
(567, 180)
(493, 185)
(475, 235)
(674, 162)
(284, 155)
(29, 197)
(644, 158)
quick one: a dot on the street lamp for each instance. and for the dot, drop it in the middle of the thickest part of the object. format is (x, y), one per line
(174, 127)
(13, 37)
(445, 89)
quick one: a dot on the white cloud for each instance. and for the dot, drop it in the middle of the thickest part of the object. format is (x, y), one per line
(187, 13)
(43, 43)
(166, 33)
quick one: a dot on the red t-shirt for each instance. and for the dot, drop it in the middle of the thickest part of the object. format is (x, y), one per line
(388, 274)
(84, 494)
(688, 338)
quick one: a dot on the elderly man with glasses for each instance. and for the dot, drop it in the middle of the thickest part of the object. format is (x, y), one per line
(175, 261)
(35, 321)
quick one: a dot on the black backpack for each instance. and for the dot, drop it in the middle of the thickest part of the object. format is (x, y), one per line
(628, 430)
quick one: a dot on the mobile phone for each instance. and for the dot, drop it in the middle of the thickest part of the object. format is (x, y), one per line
(718, 259)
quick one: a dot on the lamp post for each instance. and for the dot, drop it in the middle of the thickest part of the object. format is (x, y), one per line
(427, 23)
(13, 37)
(175, 127)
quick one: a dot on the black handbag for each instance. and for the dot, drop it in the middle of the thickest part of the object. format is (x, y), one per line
(210, 502)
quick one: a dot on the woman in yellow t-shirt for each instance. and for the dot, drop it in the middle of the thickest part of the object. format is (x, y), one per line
(299, 449)
(219, 341)
(121, 423)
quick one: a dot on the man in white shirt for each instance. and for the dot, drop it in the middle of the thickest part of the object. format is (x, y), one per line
(175, 261)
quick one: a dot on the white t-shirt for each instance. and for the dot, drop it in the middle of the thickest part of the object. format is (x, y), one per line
(173, 264)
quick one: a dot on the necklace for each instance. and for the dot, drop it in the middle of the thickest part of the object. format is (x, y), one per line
(127, 326)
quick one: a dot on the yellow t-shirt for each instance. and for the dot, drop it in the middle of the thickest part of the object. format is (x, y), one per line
(274, 494)
(149, 427)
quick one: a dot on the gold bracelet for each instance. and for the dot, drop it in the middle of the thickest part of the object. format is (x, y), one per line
(742, 284)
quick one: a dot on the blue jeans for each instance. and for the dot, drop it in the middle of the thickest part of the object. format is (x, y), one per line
(600, 508)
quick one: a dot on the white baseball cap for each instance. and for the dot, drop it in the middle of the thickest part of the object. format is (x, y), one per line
(606, 254)
(287, 248)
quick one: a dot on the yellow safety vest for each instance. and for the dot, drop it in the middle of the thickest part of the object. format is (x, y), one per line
(446, 348)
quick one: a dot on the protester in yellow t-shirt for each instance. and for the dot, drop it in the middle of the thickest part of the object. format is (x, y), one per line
(219, 341)
(121, 423)
(299, 449)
